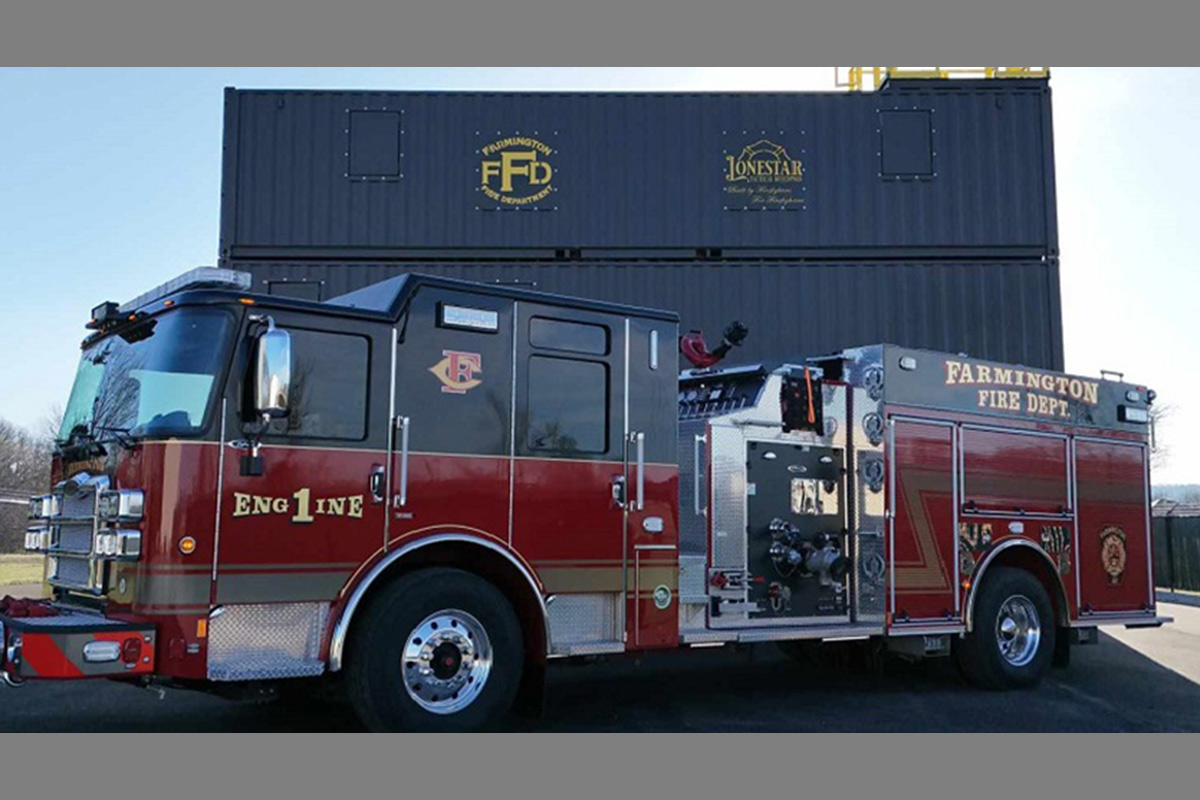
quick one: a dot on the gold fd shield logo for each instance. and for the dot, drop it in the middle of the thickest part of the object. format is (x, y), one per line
(1112, 554)
(457, 371)
(516, 171)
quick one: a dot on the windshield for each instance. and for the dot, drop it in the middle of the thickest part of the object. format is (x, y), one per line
(156, 378)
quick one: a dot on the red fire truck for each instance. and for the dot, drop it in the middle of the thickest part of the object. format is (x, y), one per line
(427, 489)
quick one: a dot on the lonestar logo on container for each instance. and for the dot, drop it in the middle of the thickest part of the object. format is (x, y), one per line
(457, 371)
(764, 161)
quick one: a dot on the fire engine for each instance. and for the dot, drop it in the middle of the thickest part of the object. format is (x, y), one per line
(427, 489)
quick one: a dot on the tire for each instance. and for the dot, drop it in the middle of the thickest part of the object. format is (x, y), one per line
(437, 650)
(1013, 636)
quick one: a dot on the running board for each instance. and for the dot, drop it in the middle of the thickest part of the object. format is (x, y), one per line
(748, 636)
(1140, 621)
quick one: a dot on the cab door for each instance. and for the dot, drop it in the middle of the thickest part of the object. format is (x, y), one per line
(452, 421)
(571, 486)
(295, 527)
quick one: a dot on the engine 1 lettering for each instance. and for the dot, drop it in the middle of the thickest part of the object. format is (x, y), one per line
(301, 505)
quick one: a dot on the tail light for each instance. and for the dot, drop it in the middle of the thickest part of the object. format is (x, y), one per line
(131, 650)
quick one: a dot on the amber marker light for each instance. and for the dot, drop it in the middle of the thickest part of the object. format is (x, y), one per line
(246, 301)
(187, 545)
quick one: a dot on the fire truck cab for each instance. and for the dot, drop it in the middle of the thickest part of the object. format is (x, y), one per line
(428, 488)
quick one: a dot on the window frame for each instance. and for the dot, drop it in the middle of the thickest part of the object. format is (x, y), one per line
(604, 329)
(287, 435)
(553, 355)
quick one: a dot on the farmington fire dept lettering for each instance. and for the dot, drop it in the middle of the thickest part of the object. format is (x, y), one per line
(457, 371)
(301, 505)
(1045, 394)
(521, 175)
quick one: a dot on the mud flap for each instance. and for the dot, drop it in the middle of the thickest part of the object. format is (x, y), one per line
(530, 702)
(1062, 649)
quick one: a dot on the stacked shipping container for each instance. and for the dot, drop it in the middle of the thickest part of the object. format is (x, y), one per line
(921, 214)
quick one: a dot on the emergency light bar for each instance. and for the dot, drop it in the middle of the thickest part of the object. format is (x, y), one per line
(198, 278)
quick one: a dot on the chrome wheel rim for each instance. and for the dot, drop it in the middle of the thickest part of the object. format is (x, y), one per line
(1018, 630)
(446, 662)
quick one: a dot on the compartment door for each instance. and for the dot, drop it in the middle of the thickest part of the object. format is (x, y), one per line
(652, 521)
(923, 533)
(1114, 526)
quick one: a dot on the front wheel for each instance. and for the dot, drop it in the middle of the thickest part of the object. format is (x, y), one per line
(439, 649)
(1012, 639)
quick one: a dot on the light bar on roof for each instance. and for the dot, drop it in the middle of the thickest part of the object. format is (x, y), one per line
(198, 278)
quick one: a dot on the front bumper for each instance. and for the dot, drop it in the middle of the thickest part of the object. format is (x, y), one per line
(58, 643)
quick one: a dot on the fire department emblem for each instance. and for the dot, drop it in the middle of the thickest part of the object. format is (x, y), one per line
(457, 371)
(516, 171)
(1112, 554)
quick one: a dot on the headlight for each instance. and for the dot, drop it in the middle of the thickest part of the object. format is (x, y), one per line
(42, 506)
(129, 544)
(119, 544)
(106, 544)
(37, 539)
(125, 504)
(1132, 414)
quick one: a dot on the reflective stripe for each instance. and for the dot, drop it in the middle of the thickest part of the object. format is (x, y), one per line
(174, 589)
(279, 587)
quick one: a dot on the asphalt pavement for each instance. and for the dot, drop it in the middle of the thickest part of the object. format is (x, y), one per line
(1131, 681)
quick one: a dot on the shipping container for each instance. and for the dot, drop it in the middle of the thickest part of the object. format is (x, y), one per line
(1000, 311)
(921, 169)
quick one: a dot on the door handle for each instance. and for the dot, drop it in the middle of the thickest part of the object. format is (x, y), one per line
(376, 482)
(618, 490)
(639, 439)
(401, 498)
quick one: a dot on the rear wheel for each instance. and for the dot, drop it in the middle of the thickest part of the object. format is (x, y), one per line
(439, 649)
(1012, 639)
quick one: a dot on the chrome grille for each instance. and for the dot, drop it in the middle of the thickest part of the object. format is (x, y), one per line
(75, 537)
(77, 506)
(73, 532)
(73, 572)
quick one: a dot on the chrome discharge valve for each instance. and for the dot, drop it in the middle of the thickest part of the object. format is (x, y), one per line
(815, 555)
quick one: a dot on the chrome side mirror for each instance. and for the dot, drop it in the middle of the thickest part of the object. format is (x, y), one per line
(273, 374)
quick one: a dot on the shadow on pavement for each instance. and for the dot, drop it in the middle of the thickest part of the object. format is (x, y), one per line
(1108, 687)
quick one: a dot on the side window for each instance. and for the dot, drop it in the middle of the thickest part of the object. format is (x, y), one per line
(574, 337)
(568, 405)
(329, 386)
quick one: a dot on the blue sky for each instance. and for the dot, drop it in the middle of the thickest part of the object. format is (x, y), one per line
(110, 181)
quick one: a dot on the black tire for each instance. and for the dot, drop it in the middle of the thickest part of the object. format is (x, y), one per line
(379, 672)
(981, 654)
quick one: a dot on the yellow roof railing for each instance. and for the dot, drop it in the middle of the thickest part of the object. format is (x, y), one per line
(858, 79)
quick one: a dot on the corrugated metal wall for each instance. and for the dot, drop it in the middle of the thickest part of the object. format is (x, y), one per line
(1006, 311)
(304, 176)
(923, 214)
(1177, 553)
